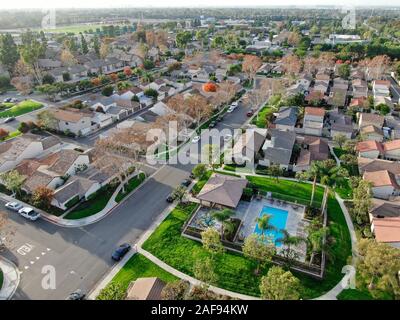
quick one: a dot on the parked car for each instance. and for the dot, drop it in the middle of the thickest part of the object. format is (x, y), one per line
(220, 118)
(212, 124)
(9, 119)
(7, 100)
(121, 251)
(186, 182)
(76, 295)
(170, 198)
(14, 100)
(29, 213)
(196, 139)
(250, 112)
(14, 206)
(230, 109)
(227, 137)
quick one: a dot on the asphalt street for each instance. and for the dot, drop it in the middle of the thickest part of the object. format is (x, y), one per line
(81, 256)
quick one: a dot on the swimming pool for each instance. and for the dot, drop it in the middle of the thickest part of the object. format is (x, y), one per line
(278, 220)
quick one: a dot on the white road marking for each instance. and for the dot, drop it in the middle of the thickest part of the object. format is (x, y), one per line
(37, 258)
(32, 262)
(43, 253)
(48, 249)
(26, 267)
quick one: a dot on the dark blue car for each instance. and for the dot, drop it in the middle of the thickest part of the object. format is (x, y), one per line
(121, 251)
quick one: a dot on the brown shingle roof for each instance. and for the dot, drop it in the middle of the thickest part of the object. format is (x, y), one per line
(223, 190)
(369, 145)
(381, 178)
(145, 289)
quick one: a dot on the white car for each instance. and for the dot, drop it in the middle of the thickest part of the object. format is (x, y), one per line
(14, 206)
(29, 213)
(196, 139)
(227, 137)
(230, 109)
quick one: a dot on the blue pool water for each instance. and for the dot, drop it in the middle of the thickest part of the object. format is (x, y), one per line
(278, 220)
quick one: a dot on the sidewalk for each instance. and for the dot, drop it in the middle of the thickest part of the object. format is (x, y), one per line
(71, 223)
(10, 279)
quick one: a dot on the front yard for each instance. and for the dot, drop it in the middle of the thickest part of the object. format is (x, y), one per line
(94, 205)
(130, 186)
(21, 108)
(234, 271)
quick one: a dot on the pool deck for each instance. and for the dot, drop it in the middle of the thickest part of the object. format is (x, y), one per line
(295, 224)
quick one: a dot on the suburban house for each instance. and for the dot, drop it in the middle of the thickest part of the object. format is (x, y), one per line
(371, 132)
(340, 124)
(360, 104)
(286, 118)
(248, 145)
(391, 150)
(383, 182)
(385, 222)
(313, 121)
(360, 88)
(74, 121)
(222, 191)
(27, 146)
(312, 149)
(321, 86)
(369, 149)
(278, 148)
(52, 170)
(381, 88)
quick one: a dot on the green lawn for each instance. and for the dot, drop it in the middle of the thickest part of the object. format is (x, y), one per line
(354, 294)
(202, 181)
(92, 206)
(288, 190)
(259, 120)
(1, 278)
(13, 134)
(140, 267)
(234, 271)
(21, 108)
(131, 185)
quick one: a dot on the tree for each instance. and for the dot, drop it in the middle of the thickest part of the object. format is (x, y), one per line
(362, 201)
(42, 197)
(107, 91)
(212, 241)
(275, 171)
(84, 45)
(349, 159)
(264, 224)
(183, 38)
(204, 270)
(12, 180)
(47, 120)
(31, 52)
(96, 45)
(175, 290)
(49, 90)
(379, 266)
(3, 133)
(222, 216)
(67, 58)
(199, 170)
(250, 65)
(257, 250)
(291, 64)
(279, 284)
(197, 107)
(340, 139)
(104, 50)
(179, 193)
(8, 52)
(211, 155)
(151, 93)
(113, 291)
(344, 71)
(316, 235)
(128, 71)
(290, 242)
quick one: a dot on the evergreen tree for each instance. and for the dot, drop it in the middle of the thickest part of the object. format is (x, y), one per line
(8, 52)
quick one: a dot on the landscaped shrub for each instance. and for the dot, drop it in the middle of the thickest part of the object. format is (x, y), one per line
(247, 194)
(210, 87)
(72, 202)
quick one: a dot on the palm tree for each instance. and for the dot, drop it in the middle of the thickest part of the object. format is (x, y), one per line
(289, 241)
(316, 234)
(314, 173)
(264, 224)
(222, 216)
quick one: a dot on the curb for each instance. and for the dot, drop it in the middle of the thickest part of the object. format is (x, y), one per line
(11, 279)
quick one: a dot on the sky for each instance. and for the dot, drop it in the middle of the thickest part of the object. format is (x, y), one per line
(23, 4)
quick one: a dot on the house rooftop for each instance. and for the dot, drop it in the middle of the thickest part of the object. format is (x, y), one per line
(369, 145)
(222, 189)
(145, 289)
(313, 111)
(287, 116)
(381, 178)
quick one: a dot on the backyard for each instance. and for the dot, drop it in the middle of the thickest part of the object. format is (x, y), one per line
(234, 271)
(21, 108)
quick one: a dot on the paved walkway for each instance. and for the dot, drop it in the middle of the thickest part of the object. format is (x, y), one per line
(10, 279)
